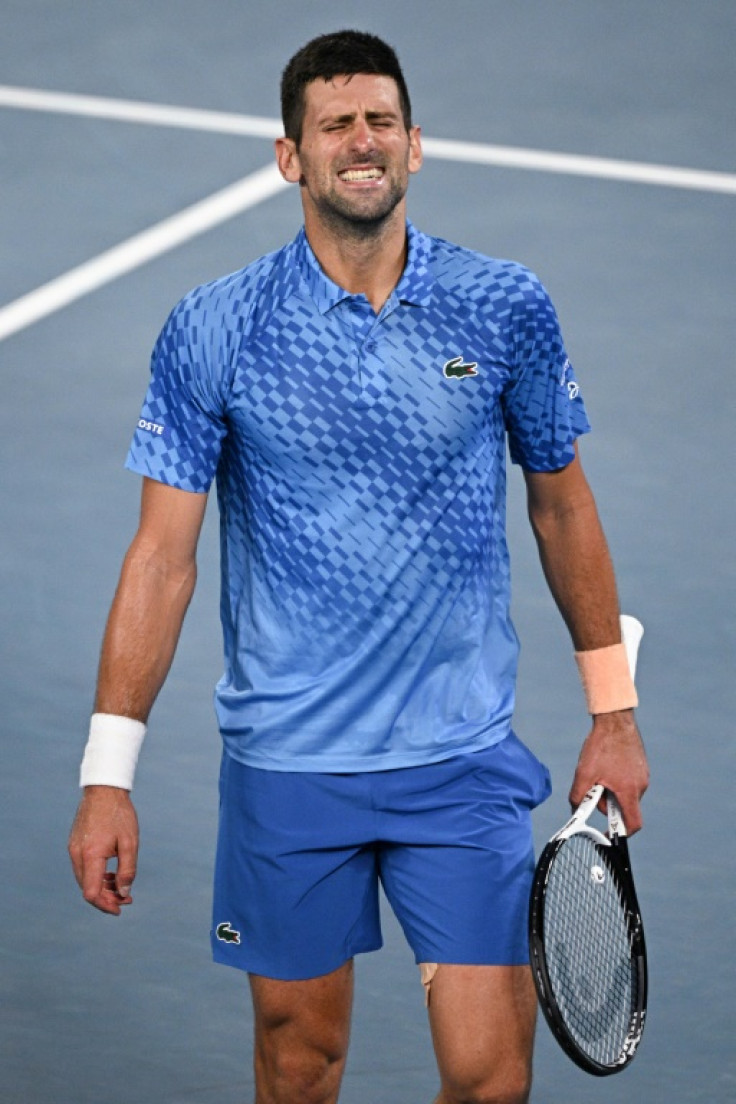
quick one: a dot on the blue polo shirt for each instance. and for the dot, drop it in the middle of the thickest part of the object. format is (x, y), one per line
(360, 467)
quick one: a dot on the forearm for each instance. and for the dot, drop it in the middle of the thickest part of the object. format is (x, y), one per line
(156, 585)
(142, 630)
(577, 566)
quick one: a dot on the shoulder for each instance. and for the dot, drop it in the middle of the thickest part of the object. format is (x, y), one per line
(205, 331)
(227, 302)
(483, 278)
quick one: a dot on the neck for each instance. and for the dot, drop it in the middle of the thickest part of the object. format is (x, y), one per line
(364, 258)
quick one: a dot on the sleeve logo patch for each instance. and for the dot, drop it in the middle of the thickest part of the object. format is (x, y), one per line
(154, 428)
(573, 388)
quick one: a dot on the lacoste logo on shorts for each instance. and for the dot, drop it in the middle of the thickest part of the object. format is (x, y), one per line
(457, 368)
(227, 934)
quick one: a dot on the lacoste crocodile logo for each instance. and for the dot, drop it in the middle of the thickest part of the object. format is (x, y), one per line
(457, 368)
(227, 934)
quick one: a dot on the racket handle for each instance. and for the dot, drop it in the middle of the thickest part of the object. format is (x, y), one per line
(632, 631)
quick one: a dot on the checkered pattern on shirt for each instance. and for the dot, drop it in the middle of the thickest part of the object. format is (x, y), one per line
(362, 493)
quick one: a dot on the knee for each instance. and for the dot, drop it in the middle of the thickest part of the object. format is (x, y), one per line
(291, 1066)
(311, 1076)
(510, 1086)
(302, 1030)
(490, 1095)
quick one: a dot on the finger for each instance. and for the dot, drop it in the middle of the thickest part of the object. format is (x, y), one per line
(629, 807)
(93, 874)
(581, 783)
(111, 886)
(632, 815)
(96, 887)
(126, 870)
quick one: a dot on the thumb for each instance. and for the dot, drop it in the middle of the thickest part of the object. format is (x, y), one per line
(579, 788)
(126, 870)
(124, 881)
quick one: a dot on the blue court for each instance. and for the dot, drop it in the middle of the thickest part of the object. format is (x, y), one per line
(592, 142)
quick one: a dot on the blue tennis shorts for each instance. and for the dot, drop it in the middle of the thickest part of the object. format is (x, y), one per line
(301, 855)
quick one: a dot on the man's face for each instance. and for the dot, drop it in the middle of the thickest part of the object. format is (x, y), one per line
(355, 155)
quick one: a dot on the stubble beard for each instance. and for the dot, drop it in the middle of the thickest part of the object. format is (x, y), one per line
(356, 219)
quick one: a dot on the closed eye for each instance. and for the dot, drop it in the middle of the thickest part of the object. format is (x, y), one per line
(378, 121)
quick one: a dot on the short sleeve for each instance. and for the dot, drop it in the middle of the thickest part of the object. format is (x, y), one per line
(181, 428)
(543, 408)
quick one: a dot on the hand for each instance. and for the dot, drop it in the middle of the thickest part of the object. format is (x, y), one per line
(613, 755)
(105, 827)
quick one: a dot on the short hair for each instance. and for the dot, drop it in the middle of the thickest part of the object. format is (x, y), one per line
(341, 53)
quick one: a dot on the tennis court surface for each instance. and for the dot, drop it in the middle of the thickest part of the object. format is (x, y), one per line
(137, 163)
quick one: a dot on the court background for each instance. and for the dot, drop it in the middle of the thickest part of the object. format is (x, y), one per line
(132, 1009)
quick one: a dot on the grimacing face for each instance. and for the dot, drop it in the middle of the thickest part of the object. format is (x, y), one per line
(355, 157)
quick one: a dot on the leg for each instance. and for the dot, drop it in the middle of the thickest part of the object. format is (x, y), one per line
(482, 1020)
(302, 1030)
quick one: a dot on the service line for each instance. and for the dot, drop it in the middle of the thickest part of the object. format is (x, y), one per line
(266, 182)
(139, 249)
(479, 153)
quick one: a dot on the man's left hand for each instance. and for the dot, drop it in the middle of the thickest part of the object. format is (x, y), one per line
(613, 755)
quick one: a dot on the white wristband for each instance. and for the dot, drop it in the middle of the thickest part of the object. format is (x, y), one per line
(112, 750)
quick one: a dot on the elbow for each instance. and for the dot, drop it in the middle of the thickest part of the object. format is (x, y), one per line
(163, 568)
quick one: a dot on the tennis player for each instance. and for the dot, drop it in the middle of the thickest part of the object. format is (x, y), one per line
(352, 394)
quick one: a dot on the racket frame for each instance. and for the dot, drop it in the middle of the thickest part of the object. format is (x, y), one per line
(614, 851)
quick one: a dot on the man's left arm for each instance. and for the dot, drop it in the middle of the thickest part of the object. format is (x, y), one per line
(578, 568)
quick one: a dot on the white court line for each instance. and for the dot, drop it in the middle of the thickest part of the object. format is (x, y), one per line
(133, 111)
(266, 182)
(479, 153)
(604, 168)
(142, 247)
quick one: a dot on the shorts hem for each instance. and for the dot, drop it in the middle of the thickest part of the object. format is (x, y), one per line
(292, 972)
(521, 959)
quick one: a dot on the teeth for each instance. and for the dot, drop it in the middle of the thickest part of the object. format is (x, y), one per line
(361, 174)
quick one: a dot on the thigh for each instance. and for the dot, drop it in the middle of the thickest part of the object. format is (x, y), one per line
(302, 1031)
(482, 1020)
(296, 886)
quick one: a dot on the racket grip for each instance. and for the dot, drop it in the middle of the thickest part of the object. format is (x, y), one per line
(616, 826)
(632, 631)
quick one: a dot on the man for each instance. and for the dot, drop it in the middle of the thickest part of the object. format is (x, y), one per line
(353, 393)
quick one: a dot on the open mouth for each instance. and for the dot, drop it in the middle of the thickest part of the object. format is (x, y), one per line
(358, 176)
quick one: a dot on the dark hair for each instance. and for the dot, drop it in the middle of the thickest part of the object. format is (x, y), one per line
(342, 53)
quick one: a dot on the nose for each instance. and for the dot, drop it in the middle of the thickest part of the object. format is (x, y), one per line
(362, 136)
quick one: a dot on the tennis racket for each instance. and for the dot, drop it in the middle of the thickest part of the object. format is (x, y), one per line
(585, 932)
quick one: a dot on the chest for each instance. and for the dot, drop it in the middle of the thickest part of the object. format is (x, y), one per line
(310, 386)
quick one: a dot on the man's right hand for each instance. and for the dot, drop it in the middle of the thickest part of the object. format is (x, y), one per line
(105, 827)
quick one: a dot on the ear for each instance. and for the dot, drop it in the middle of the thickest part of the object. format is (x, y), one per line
(416, 157)
(287, 160)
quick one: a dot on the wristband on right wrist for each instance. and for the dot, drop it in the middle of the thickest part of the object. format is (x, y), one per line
(606, 678)
(112, 751)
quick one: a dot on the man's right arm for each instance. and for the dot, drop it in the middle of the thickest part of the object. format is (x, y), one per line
(156, 585)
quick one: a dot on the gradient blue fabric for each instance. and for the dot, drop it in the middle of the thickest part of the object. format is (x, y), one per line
(360, 465)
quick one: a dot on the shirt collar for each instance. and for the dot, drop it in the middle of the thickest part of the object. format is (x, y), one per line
(416, 283)
(414, 287)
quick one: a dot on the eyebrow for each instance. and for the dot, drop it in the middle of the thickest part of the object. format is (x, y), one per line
(371, 116)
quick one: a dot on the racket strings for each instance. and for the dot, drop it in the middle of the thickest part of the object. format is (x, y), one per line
(588, 950)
